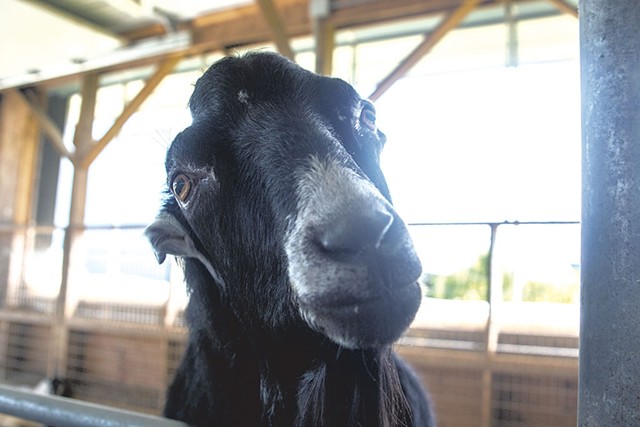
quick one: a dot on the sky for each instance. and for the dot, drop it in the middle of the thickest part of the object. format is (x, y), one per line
(493, 145)
(489, 145)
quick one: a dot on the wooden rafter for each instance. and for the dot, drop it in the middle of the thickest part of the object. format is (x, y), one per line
(46, 124)
(96, 148)
(565, 7)
(245, 25)
(451, 21)
(276, 27)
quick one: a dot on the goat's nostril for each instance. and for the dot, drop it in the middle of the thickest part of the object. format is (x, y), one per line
(352, 234)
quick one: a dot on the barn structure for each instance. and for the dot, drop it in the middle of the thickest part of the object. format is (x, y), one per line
(91, 93)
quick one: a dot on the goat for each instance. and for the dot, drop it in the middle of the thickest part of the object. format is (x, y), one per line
(301, 274)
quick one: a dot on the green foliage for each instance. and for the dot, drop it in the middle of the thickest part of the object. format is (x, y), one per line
(507, 287)
(469, 284)
(472, 284)
(545, 292)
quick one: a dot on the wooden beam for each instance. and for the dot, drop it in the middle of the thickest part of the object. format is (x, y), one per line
(276, 27)
(245, 25)
(163, 70)
(565, 7)
(47, 125)
(82, 136)
(451, 21)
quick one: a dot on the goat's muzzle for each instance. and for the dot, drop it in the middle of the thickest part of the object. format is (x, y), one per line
(352, 264)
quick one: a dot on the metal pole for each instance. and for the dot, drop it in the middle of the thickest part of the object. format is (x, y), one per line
(494, 298)
(609, 387)
(64, 412)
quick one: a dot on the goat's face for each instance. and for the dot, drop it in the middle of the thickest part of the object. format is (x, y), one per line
(277, 190)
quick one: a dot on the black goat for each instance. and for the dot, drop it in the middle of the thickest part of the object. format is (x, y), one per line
(301, 273)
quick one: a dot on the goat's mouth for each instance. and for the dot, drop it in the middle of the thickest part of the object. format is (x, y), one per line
(367, 322)
(364, 303)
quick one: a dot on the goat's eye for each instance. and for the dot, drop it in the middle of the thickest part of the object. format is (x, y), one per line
(181, 187)
(368, 118)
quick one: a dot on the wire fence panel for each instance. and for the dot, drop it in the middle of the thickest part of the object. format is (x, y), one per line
(122, 370)
(495, 339)
(535, 401)
(25, 352)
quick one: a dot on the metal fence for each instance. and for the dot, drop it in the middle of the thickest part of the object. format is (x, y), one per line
(502, 351)
(59, 411)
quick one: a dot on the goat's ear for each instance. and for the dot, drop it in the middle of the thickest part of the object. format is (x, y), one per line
(168, 237)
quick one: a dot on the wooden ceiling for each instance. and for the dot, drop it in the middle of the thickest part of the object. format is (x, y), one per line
(276, 21)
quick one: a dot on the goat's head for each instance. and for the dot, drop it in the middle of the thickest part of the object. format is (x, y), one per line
(276, 189)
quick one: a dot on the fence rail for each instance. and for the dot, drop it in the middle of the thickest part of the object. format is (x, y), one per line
(64, 412)
(121, 333)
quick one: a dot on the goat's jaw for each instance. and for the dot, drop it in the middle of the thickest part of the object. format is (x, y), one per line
(371, 323)
(364, 302)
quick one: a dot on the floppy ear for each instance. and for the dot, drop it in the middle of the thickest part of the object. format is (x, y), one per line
(168, 237)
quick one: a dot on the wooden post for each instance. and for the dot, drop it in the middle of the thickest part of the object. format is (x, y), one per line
(19, 145)
(82, 140)
(323, 35)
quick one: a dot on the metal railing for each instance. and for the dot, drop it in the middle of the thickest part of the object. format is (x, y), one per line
(64, 412)
(122, 347)
(494, 293)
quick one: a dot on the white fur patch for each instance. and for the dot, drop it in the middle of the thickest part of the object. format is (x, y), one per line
(243, 97)
(327, 188)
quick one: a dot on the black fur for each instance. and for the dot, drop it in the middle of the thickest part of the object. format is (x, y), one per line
(294, 304)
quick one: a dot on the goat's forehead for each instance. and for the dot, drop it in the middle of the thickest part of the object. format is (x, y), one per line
(237, 83)
(259, 89)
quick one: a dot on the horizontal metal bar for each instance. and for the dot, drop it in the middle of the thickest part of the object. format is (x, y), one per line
(51, 228)
(108, 227)
(64, 412)
(418, 224)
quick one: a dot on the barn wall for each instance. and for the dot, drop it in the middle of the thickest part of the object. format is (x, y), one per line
(129, 366)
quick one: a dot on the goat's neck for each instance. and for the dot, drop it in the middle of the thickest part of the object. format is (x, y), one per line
(297, 368)
(354, 387)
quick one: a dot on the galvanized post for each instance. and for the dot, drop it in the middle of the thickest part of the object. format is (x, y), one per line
(494, 298)
(609, 388)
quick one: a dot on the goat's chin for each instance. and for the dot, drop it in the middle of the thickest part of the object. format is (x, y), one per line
(364, 323)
